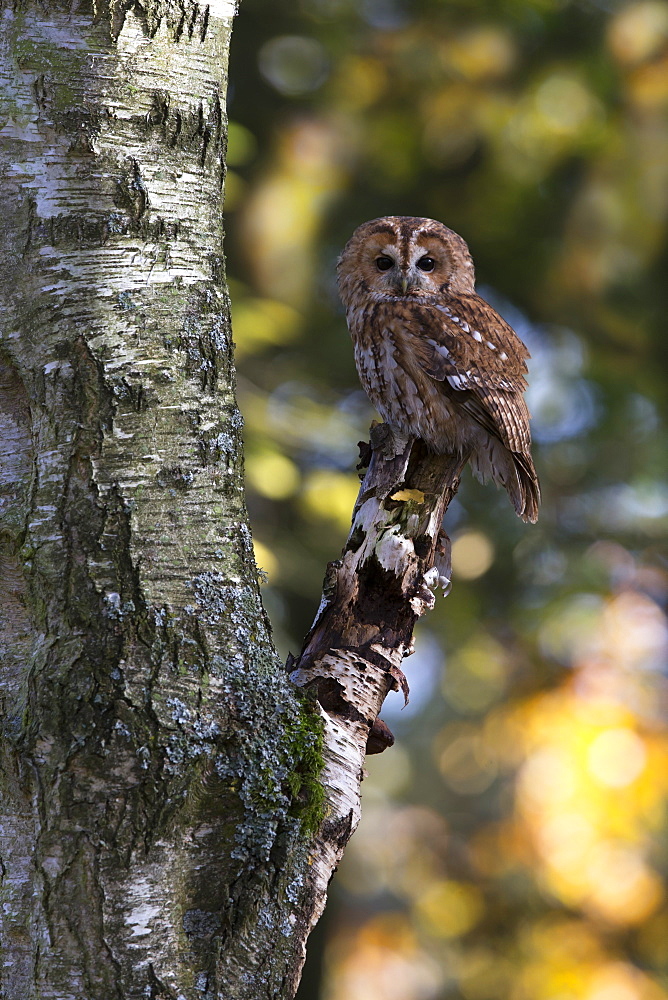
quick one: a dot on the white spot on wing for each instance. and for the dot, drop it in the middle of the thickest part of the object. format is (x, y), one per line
(477, 336)
(440, 349)
(457, 381)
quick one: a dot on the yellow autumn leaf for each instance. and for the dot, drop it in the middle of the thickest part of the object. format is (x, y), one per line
(416, 495)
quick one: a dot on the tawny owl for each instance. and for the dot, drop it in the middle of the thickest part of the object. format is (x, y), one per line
(436, 360)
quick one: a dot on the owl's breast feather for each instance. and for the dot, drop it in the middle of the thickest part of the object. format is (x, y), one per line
(406, 397)
(396, 389)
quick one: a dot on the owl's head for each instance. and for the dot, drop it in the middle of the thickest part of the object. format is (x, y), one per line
(405, 256)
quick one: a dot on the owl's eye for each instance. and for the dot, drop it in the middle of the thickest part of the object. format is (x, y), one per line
(426, 263)
(384, 263)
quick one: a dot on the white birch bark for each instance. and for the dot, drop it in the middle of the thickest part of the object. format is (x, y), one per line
(158, 771)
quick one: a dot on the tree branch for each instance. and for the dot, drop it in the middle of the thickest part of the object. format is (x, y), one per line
(395, 555)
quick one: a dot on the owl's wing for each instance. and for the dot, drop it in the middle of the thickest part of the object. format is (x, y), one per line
(464, 343)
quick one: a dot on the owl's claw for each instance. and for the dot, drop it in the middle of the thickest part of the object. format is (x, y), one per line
(443, 562)
(440, 573)
(433, 579)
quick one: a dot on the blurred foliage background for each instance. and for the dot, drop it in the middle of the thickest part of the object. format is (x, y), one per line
(513, 841)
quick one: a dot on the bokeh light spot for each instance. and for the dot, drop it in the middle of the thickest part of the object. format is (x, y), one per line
(565, 103)
(386, 15)
(449, 908)
(571, 630)
(330, 495)
(617, 757)
(465, 762)
(262, 323)
(472, 555)
(619, 981)
(638, 31)
(265, 559)
(273, 475)
(483, 53)
(293, 64)
(360, 81)
(241, 145)
(388, 774)
(383, 959)
(547, 776)
(622, 888)
(476, 675)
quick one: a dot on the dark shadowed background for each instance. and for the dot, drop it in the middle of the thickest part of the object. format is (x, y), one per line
(513, 841)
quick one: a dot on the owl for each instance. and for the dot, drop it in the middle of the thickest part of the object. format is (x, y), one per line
(435, 359)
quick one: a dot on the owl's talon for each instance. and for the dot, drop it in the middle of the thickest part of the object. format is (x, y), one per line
(443, 562)
(435, 579)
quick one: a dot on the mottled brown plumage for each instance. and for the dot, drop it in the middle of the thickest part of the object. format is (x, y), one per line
(436, 360)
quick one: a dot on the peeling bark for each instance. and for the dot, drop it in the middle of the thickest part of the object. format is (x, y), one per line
(394, 558)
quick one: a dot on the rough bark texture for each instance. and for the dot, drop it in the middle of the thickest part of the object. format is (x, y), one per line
(158, 772)
(395, 556)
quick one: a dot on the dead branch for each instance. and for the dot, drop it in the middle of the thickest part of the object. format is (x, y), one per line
(394, 558)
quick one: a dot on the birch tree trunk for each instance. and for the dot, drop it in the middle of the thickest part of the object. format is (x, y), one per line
(159, 775)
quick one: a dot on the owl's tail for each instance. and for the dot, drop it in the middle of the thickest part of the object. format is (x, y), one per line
(528, 498)
(514, 471)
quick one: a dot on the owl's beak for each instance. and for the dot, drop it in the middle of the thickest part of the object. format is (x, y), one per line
(404, 283)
